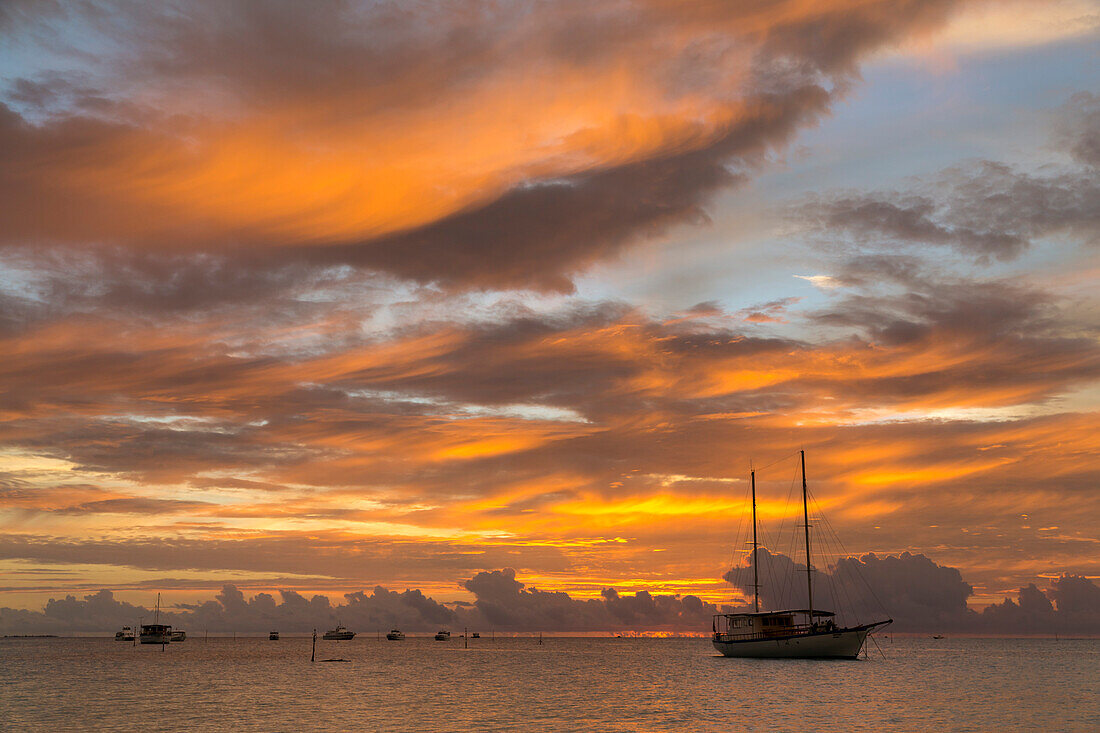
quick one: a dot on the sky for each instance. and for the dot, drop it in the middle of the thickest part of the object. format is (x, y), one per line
(321, 297)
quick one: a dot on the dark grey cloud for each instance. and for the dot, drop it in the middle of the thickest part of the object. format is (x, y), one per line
(984, 209)
(505, 603)
(1070, 606)
(1078, 128)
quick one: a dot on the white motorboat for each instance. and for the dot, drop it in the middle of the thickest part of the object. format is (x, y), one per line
(126, 634)
(395, 635)
(340, 633)
(273, 636)
(801, 633)
(179, 635)
(443, 635)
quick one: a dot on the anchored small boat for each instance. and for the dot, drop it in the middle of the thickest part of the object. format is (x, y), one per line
(395, 635)
(340, 633)
(126, 634)
(179, 635)
(273, 636)
(156, 632)
(804, 633)
(443, 635)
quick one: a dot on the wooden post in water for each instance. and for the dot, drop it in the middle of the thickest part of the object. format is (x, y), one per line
(465, 637)
(313, 654)
(540, 638)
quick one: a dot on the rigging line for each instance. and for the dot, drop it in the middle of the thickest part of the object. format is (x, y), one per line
(830, 535)
(872, 638)
(738, 559)
(789, 550)
(859, 575)
(796, 576)
(855, 571)
(827, 541)
(827, 576)
(778, 460)
(771, 544)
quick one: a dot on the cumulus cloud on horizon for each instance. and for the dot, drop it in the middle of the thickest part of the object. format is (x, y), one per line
(920, 595)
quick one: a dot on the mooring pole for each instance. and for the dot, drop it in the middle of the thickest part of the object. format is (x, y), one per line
(465, 637)
(313, 654)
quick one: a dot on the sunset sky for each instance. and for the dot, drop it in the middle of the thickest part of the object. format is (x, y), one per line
(328, 295)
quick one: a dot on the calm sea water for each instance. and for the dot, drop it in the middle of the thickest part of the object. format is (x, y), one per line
(252, 684)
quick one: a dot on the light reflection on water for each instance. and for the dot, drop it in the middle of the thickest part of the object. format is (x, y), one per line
(252, 684)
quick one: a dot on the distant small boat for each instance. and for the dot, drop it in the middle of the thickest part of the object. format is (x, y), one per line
(395, 635)
(127, 634)
(179, 635)
(273, 636)
(156, 632)
(443, 635)
(938, 636)
(475, 635)
(340, 633)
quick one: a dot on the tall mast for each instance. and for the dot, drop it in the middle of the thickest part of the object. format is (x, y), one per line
(156, 620)
(755, 580)
(806, 527)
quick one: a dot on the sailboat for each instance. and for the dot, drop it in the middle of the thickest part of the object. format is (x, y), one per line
(792, 633)
(156, 632)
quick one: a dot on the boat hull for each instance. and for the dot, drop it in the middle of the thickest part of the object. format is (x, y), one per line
(342, 636)
(155, 638)
(842, 644)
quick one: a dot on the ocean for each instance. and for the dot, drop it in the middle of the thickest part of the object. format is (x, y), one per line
(565, 684)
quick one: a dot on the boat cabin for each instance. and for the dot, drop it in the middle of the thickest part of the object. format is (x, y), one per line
(769, 624)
